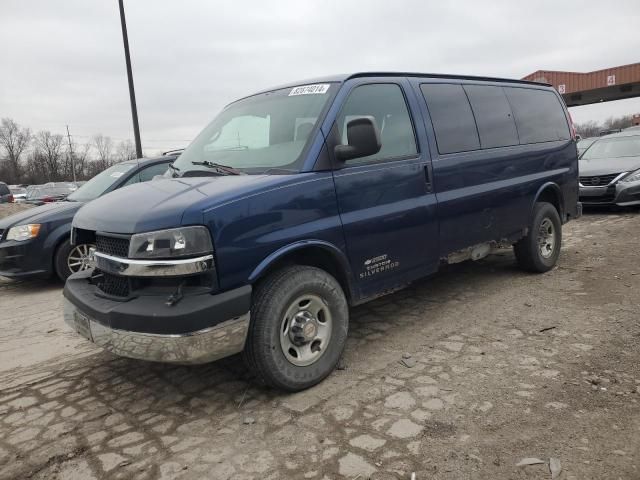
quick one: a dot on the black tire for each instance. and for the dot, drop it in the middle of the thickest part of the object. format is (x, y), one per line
(273, 298)
(528, 250)
(60, 265)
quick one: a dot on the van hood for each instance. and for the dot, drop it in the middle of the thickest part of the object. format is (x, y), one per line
(44, 213)
(168, 203)
(608, 166)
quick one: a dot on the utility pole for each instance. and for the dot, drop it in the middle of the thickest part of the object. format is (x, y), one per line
(73, 162)
(132, 94)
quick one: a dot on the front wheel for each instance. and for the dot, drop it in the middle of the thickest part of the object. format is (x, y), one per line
(299, 323)
(70, 259)
(539, 250)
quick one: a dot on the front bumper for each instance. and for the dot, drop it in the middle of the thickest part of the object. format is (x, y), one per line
(24, 259)
(620, 193)
(199, 329)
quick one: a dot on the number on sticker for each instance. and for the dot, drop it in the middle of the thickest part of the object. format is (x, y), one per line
(316, 89)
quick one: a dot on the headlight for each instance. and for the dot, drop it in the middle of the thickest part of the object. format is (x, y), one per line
(632, 177)
(20, 233)
(176, 242)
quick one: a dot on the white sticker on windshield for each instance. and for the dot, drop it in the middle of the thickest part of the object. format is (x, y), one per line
(117, 174)
(316, 89)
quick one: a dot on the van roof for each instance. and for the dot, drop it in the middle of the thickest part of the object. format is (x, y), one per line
(346, 76)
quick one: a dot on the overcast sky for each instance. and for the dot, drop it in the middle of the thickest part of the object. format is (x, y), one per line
(62, 62)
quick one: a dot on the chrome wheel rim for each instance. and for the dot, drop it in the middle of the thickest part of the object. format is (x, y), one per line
(546, 238)
(305, 330)
(79, 258)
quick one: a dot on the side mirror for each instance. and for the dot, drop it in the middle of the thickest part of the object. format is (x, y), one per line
(363, 140)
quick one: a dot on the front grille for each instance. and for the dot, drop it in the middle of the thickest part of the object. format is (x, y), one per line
(116, 246)
(114, 285)
(598, 180)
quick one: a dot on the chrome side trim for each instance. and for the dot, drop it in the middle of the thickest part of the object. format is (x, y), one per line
(203, 346)
(152, 268)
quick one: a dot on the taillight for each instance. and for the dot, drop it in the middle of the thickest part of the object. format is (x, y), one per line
(11, 200)
(47, 199)
(572, 127)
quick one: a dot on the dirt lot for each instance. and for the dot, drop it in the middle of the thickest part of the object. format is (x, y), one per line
(461, 376)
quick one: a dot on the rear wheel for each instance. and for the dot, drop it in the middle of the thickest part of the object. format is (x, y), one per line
(299, 323)
(539, 250)
(70, 259)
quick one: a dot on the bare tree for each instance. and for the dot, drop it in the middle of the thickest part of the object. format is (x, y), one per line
(14, 140)
(614, 123)
(104, 150)
(125, 151)
(588, 129)
(49, 148)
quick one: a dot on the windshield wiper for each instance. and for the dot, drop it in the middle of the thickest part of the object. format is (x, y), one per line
(221, 169)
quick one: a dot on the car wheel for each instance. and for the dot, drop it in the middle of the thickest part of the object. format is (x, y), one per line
(539, 251)
(299, 323)
(70, 259)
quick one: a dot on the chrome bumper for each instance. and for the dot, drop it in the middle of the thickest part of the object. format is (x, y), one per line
(198, 347)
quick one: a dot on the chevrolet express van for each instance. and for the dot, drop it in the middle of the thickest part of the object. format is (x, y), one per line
(297, 202)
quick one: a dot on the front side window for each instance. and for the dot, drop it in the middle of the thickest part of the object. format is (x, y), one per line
(451, 115)
(384, 104)
(266, 131)
(147, 173)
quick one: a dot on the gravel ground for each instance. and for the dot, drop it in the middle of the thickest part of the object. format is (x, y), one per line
(461, 376)
(7, 209)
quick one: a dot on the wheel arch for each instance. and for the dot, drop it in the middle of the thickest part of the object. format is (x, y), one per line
(314, 253)
(55, 239)
(551, 193)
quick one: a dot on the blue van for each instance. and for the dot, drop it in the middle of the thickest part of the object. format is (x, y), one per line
(297, 202)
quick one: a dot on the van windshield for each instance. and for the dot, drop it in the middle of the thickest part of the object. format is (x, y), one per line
(259, 133)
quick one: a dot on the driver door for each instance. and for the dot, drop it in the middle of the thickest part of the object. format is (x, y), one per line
(385, 200)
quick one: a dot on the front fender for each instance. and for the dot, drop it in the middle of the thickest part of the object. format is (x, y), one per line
(281, 253)
(56, 236)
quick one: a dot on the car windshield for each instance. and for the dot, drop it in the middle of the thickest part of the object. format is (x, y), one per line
(100, 183)
(614, 148)
(259, 133)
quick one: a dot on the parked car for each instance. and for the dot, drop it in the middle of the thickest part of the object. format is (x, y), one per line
(295, 203)
(19, 193)
(35, 242)
(70, 185)
(585, 143)
(42, 194)
(610, 170)
(611, 131)
(5, 194)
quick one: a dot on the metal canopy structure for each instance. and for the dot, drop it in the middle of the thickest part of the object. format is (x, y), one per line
(605, 85)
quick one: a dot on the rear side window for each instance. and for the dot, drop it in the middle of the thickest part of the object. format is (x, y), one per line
(493, 116)
(452, 118)
(4, 190)
(539, 115)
